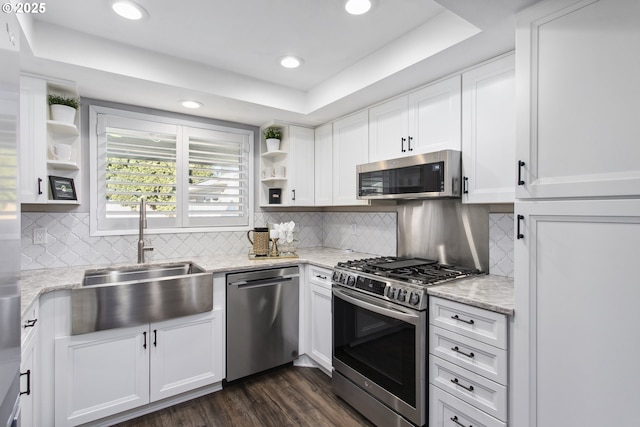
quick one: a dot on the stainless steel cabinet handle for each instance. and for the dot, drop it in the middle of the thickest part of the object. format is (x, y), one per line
(457, 350)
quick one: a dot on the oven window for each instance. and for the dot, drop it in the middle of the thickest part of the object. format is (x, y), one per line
(379, 347)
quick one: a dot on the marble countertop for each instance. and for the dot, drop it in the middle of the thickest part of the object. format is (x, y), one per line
(490, 292)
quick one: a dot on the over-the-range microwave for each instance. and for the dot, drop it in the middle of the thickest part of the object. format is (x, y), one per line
(426, 175)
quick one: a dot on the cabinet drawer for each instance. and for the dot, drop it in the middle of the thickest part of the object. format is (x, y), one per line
(30, 321)
(449, 411)
(474, 389)
(476, 356)
(320, 276)
(477, 323)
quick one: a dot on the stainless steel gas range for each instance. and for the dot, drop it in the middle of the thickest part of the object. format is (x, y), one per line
(380, 335)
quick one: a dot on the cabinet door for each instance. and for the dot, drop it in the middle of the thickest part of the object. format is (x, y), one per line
(434, 117)
(320, 324)
(33, 141)
(324, 165)
(100, 374)
(388, 130)
(576, 334)
(186, 353)
(350, 148)
(578, 97)
(489, 132)
(29, 382)
(301, 163)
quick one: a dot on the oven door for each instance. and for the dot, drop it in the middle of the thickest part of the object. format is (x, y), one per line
(381, 347)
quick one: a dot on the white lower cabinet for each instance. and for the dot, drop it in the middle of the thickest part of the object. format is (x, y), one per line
(468, 365)
(104, 373)
(449, 411)
(30, 391)
(319, 317)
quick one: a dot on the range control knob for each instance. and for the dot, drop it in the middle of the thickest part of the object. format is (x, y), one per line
(391, 292)
(336, 276)
(351, 281)
(401, 295)
(414, 298)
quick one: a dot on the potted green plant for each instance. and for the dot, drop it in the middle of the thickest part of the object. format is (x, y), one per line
(63, 108)
(272, 137)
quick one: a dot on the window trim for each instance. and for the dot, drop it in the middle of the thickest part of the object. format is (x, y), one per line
(96, 110)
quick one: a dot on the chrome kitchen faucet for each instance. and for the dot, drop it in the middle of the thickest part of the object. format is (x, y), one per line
(143, 225)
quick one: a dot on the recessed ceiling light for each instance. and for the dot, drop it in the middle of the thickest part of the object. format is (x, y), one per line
(129, 10)
(191, 104)
(357, 7)
(290, 62)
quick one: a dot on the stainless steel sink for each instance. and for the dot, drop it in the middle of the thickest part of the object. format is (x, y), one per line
(127, 296)
(138, 273)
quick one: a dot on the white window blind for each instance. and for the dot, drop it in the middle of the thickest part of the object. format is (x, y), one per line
(191, 177)
(218, 184)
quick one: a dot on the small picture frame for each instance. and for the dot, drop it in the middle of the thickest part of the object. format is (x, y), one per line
(275, 196)
(62, 188)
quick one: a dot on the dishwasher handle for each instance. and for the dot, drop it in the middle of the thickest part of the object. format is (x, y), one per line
(248, 284)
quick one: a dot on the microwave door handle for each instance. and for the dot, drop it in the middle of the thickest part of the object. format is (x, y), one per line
(389, 312)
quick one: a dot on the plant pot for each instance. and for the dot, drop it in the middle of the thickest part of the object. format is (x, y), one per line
(63, 113)
(273, 144)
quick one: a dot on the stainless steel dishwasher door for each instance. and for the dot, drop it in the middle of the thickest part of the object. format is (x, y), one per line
(262, 320)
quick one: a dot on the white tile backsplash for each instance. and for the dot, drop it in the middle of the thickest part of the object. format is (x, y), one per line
(501, 245)
(69, 242)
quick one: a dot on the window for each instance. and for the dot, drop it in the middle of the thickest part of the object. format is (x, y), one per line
(193, 178)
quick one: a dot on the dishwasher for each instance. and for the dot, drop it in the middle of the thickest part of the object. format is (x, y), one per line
(262, 320)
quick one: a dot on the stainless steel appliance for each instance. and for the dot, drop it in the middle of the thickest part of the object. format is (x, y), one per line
(262, 320)
(9, 222)
(428, 175)
(380, 335)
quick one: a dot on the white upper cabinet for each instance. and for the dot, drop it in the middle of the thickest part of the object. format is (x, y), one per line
(48, 148)
(33, 136)
(423, 121)
(434, 117)
(324, 165)
(350, 148)
(288, 170)
(489, 132)
(389, 129)
(301, 165)
(578, 98)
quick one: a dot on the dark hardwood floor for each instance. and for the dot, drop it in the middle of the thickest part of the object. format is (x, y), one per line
(288, 396)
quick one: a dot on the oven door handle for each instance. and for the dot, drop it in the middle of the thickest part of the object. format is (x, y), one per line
(371, 304)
